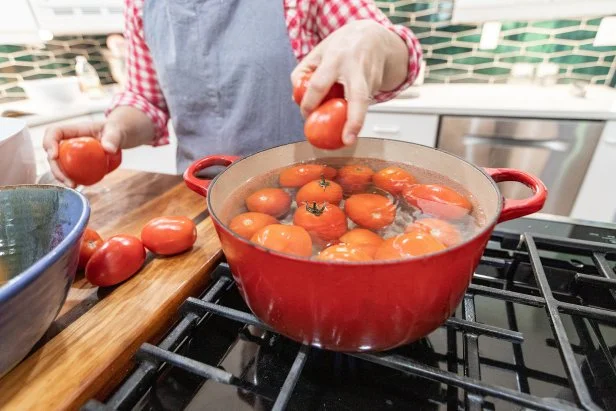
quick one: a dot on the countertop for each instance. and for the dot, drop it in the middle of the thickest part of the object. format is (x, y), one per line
(88, 348)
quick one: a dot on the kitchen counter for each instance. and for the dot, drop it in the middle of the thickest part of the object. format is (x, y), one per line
(87, 350)
(504, 100)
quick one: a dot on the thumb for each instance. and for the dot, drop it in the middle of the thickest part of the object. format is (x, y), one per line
(111, 138)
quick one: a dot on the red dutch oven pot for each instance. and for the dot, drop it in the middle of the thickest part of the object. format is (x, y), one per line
(357, 306)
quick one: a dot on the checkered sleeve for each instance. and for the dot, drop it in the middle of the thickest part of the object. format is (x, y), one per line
(142, 90)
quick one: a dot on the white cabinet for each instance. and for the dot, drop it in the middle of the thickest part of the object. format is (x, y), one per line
(414, 128)
(17, 23)
(597, 197)
(66, 17)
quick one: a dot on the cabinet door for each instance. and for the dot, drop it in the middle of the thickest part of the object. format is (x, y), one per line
(413, 128)
(597, 198)
(17, 23)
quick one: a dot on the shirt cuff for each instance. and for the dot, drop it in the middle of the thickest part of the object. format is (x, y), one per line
(159, 117)
(415, 57)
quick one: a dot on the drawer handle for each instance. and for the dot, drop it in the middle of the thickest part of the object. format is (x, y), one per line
(386, 130)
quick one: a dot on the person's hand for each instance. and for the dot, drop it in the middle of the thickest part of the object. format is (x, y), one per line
(365, 57)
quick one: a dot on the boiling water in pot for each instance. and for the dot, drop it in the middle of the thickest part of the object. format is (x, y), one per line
(465, 226)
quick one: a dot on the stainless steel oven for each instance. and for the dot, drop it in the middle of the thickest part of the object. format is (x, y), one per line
(557, 151)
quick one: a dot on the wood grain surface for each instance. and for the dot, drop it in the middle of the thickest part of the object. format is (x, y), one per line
(89, 347)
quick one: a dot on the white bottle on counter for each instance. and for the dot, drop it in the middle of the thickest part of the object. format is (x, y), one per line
(89, 82)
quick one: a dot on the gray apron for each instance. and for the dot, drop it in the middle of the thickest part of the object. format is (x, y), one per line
(224, 67)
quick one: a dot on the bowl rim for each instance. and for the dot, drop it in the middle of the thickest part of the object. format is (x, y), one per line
(22, 280)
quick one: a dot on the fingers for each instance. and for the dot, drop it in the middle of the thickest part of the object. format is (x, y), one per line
(308, 64)
(358, 98)
(111, 138)
(59, 175)
(321, 81)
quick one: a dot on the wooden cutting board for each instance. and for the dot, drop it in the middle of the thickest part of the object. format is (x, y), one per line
(88, 349)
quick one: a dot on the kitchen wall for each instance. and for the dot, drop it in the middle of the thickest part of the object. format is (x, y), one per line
(453, 55)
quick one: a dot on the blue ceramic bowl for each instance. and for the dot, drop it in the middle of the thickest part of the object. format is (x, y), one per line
(40, 232)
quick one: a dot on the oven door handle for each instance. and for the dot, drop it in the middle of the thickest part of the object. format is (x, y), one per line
(552, 145)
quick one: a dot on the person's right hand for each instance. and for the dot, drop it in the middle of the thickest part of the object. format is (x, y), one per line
(110, 135)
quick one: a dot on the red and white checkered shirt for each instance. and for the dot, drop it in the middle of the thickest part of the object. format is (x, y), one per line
(308, 22)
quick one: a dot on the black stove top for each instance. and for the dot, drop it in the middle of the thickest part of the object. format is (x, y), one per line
(536, 330)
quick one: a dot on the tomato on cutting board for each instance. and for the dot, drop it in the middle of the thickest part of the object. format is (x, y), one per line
(299, 89)
(90, 242)
(323, 127)
(443, 231)
(119, 258)
(345, 252)
(290, 239)
(302, 174)
(273, 201)
(438, 200)
(412, 244)
(83, 160)
(247, 224)
(325, 222)
(372, 211)
(393, 179)
(355, 178)
(320, 191)
(169, 235)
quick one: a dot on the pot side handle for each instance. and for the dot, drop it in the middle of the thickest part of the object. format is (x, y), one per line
(518, 208)
(199, 185)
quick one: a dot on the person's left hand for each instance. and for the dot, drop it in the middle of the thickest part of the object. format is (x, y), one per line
(365, 57)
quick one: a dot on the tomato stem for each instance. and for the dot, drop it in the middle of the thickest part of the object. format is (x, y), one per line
(323, 183)
(313, 209)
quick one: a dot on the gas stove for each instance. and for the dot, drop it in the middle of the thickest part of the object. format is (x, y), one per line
(536, 330)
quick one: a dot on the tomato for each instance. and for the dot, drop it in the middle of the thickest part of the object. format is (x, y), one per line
(370, 210)
(438, 200)
(297, 176)
(355, 178)
(90, 242)
(169, 235)
(114, 161)
(367, 239)
(247, 224)
(323, 127)
(393, 179)
(299, 89)
(320, 191)
(83, 160)
(446, 233)
(345, 252)
(116, 260)
(290, 239)
(324, 222)
(273, 201)
(411, 244)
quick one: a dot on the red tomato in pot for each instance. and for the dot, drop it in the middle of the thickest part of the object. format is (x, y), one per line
(323, 127)
(273, 201)
(299, 89)
(372, 211)
(297, 176)
(83, 160)
(345, 252)
(366, 239)
(169, 235)
(324, 222)
(320, 191)
(247, 224)
(393, 179)
(90, 242)
(438, 200)
(412, 244)
(290, 239)
(114, 161)
(119, 258)
(446, 233)
(355, 178)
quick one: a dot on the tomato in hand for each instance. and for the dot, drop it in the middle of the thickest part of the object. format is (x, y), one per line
(323, 127)
(298, 176)
(370, 210)
(169, 235)
(324, 222)
(345, 252)
(412, 244)
(290, 239)
(299, 89)
(83, 160)
(446, 233)
(116, 260)
(393, 179)
(320, 191)
(438, 200)
(367, 239)
(90, 242)
(355, 178)
(114, 161)
(273, 201)
(247, 224)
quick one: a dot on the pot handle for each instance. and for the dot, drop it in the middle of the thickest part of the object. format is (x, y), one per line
(519, 208)
(199, 185)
